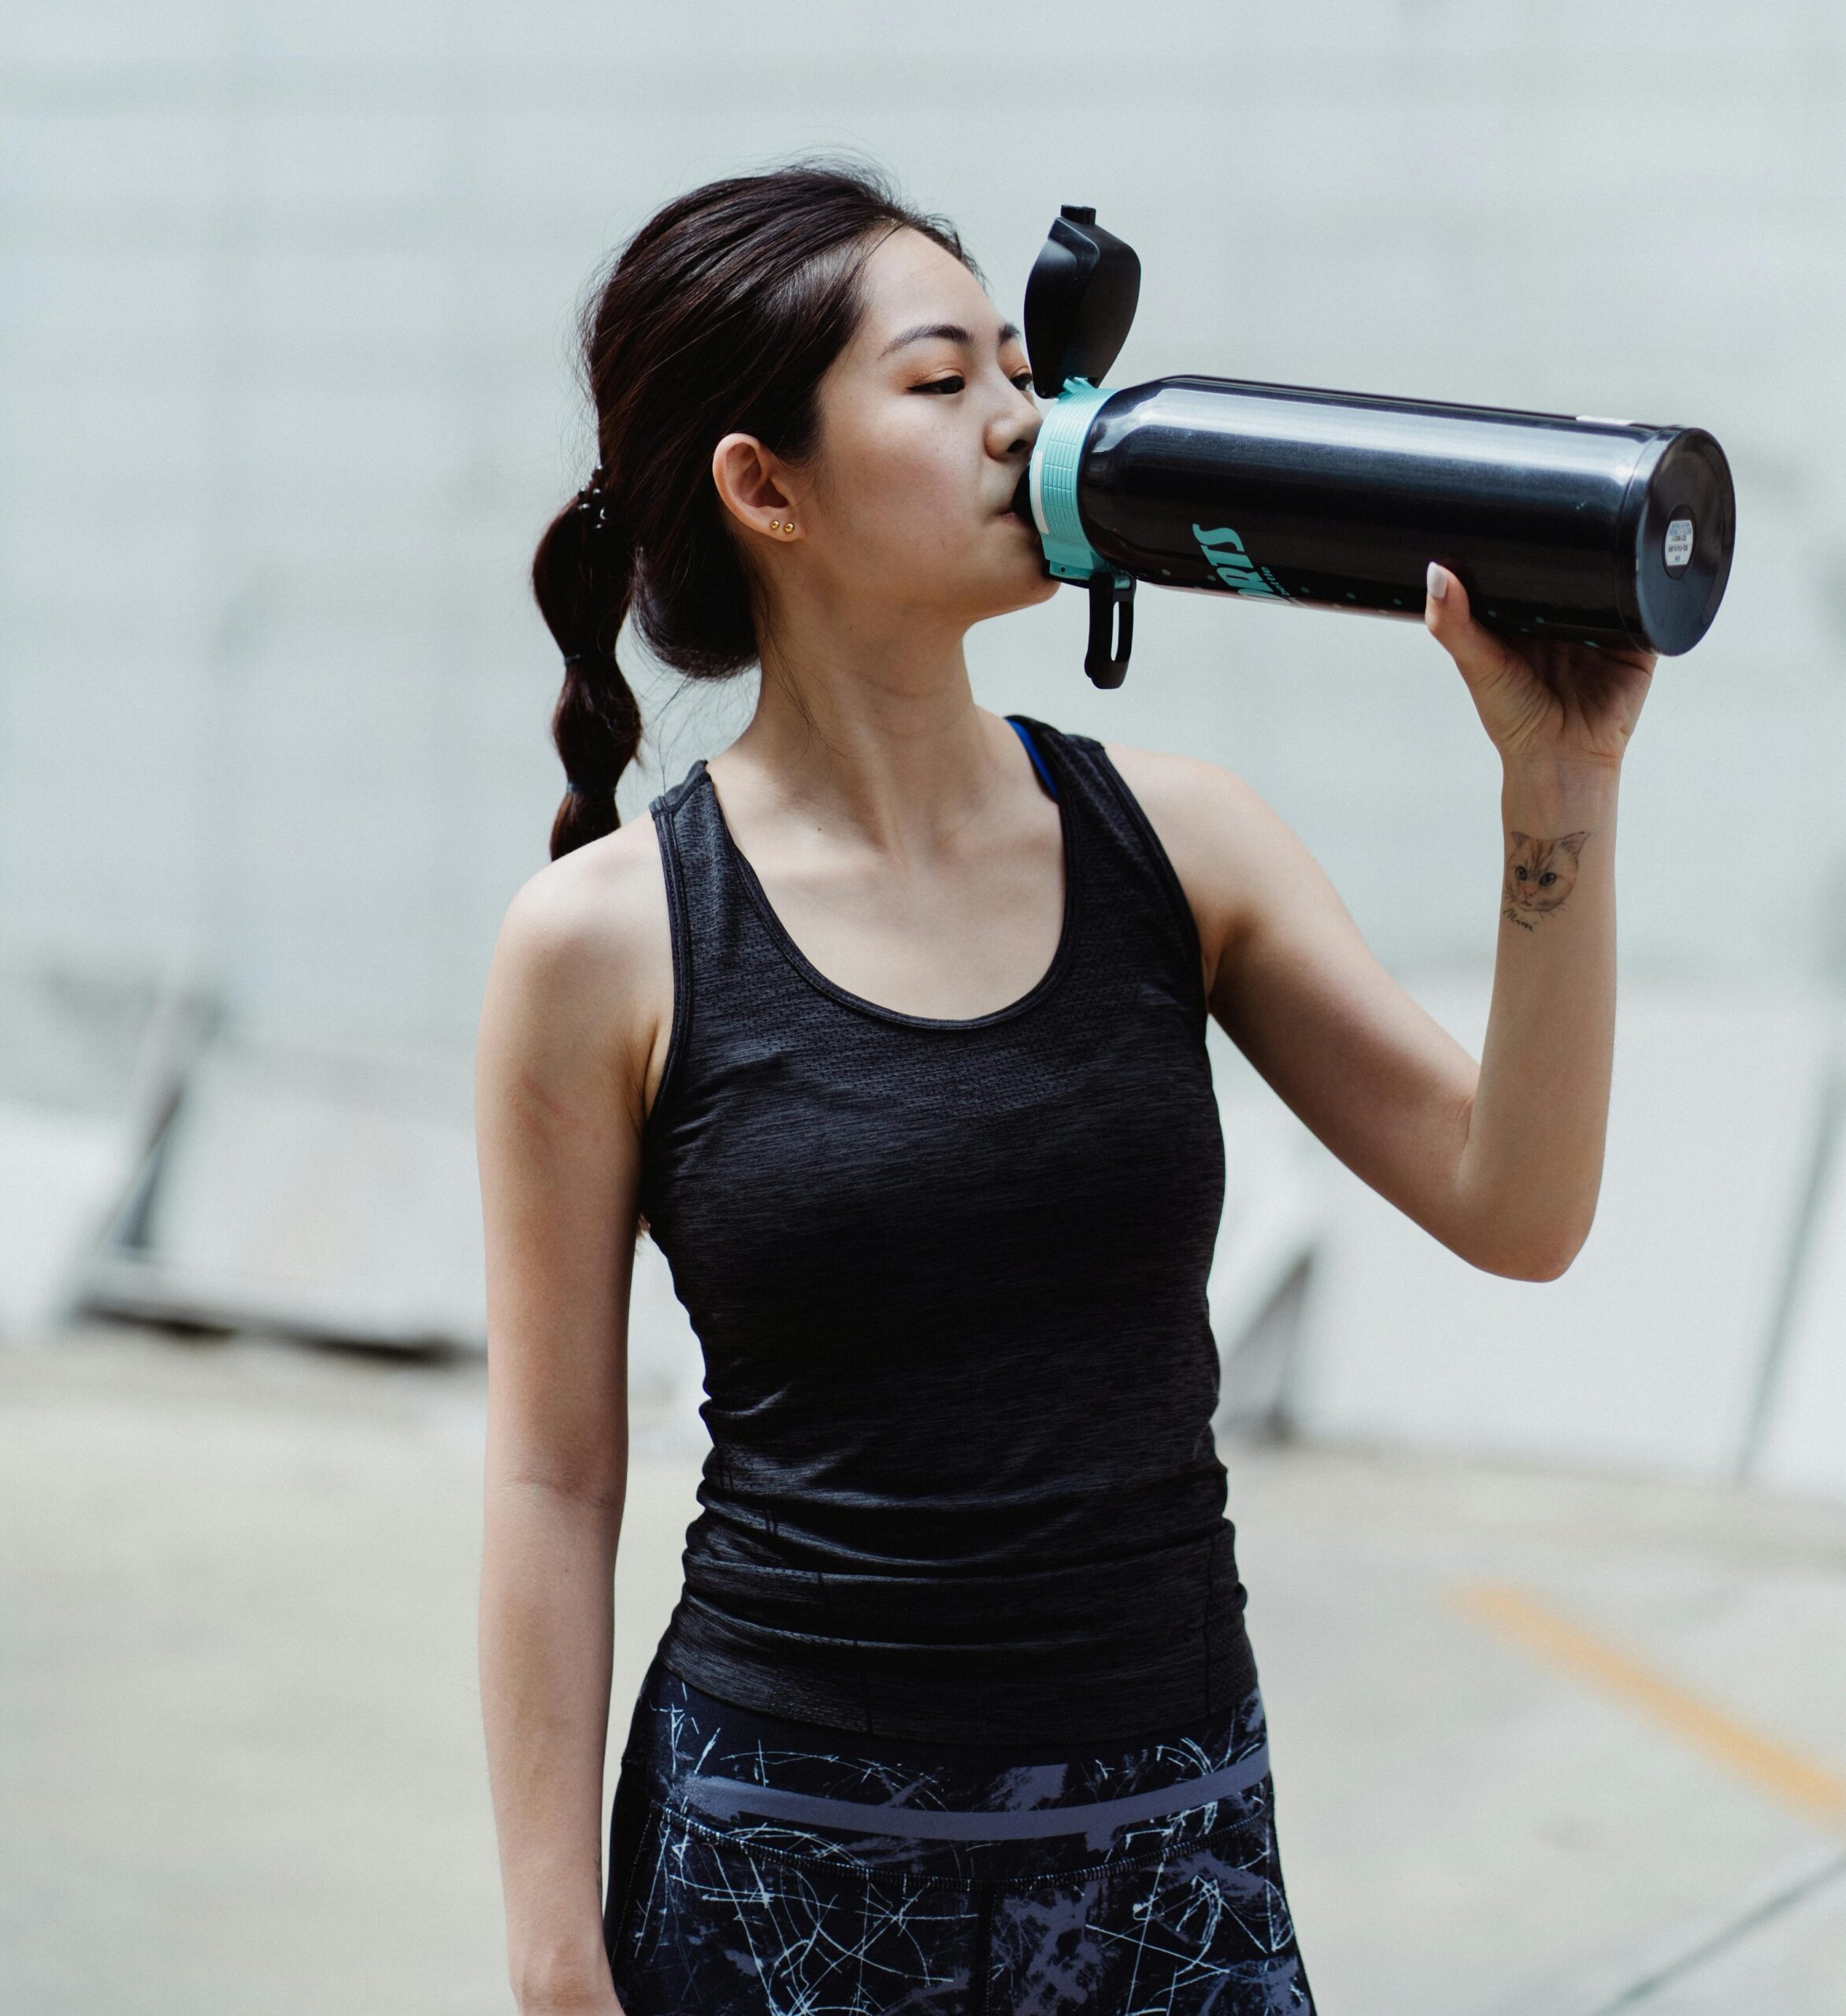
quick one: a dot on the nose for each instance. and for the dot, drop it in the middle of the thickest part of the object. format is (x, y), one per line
(1012, 439)
(1019, 449)
(1014, 432)
(1014, 423)
(1010, 433)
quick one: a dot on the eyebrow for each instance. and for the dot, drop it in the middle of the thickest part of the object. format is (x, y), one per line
(950, 332)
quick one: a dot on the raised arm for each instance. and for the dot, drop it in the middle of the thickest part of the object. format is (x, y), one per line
(571, 1035)
(1501, 1161)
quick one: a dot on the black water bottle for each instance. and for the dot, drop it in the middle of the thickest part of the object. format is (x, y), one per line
(1600, 531)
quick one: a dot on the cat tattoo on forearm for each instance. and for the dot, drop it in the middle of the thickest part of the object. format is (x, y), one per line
(1540, 874)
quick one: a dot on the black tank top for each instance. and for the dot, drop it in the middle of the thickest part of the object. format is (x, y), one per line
(950, 1280)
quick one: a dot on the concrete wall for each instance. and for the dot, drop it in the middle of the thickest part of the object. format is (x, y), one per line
(285, 396)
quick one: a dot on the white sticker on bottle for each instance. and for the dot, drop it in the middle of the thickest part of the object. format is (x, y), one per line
(1678, 546)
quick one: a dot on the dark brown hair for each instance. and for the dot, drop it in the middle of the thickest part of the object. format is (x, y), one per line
(720, 315)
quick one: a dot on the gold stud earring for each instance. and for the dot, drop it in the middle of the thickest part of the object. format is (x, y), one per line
(789, 525)
(775, 525)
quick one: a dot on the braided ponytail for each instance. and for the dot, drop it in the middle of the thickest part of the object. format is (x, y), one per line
(720, 315)
(583, 575)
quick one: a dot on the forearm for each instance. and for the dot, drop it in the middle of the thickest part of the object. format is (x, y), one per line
(546, 1627)
(1531, 1165)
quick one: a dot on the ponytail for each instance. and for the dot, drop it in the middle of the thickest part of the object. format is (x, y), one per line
(583, 576)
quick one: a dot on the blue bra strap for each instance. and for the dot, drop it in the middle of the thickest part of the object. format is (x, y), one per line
(1038, 762)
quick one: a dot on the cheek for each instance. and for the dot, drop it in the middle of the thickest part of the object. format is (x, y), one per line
(902, 487)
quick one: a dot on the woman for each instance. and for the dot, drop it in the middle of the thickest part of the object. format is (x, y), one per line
(889, 1025)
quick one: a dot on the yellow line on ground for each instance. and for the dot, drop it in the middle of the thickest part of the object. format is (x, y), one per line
(1811, 1789)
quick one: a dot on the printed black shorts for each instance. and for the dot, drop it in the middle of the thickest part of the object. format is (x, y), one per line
(760, 1867)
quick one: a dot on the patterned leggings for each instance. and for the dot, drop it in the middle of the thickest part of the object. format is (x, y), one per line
(760, 1867)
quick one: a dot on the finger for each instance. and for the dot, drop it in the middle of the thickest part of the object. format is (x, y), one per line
(1450, 621)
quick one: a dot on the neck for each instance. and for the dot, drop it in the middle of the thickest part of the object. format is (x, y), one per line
(872, 727)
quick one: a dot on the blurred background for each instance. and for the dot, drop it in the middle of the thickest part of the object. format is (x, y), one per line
(1548, 1582)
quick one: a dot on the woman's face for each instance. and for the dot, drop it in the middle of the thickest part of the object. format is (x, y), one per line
(926, 422)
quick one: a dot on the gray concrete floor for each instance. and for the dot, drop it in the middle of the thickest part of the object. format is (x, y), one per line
(1546, 1746)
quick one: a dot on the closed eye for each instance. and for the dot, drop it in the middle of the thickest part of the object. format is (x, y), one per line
(956, 382)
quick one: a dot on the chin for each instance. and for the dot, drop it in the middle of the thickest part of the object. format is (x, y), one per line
(1020, 589)
(1039, 587)
(1026, 579)
(991, 582)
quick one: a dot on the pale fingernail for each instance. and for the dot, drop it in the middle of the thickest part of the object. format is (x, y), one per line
(1438, 581)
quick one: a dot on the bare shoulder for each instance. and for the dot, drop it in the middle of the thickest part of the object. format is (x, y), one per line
(1235, 857)
(600, 912)
(582, 978)
(1208, 818)
(1184, 791)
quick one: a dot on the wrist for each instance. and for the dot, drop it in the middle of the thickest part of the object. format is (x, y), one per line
(587, 1999)
(1559, 780)
(1560, 762)
(563, 1983)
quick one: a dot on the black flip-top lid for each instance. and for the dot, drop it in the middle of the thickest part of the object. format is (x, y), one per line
(1080, 301)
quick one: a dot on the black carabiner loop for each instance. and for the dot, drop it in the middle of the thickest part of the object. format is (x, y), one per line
(1112, 628)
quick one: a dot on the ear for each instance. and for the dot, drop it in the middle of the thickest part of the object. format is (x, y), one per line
(1520, 840)
(750, 482)
(1573, 842)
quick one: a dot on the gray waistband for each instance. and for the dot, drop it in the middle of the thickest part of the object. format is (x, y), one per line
(727, 1799)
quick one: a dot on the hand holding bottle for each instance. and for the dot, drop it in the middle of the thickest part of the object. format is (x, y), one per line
(1536, 698)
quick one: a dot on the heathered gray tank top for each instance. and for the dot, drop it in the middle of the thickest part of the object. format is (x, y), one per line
(949, 1276)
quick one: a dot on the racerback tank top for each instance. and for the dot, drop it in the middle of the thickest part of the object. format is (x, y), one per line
(950, 1280)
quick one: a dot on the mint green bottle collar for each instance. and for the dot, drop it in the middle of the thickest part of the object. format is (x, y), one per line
(1052, 482)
